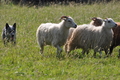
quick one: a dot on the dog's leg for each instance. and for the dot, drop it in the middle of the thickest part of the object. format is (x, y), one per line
(14, 42)
(4, 41)
(3, 37)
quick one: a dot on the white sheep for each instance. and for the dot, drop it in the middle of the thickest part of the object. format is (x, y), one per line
(96, 21)
(92, 37)
(54, 34)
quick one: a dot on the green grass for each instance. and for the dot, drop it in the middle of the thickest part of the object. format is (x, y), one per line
(24, 62)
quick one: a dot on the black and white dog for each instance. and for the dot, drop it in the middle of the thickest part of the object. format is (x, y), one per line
(9, 34)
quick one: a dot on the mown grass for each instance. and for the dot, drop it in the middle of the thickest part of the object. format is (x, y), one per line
(23, 61)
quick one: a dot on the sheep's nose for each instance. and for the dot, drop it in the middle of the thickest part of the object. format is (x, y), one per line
(75, 26)
(115, 25)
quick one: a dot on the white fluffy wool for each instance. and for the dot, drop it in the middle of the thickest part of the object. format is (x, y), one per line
(54, 34)
(92, 37)
(96, 21)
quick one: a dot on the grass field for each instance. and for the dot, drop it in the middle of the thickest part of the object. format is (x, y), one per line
(24, 62)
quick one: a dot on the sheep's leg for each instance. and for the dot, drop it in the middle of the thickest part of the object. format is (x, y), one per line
(83, 52)
(100, 52)
(65, 48)
(111, 50)
(106, 52)
(41, 49)
(41, 45)
(69, 48)
(94, 55)
(87, 52)
(59, 50)
(119, 53)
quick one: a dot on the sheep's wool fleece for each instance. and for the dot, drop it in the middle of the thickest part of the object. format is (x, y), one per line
(52, 34)
(91, 37)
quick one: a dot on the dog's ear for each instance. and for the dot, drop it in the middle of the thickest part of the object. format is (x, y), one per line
(14, 25)
(7, 25)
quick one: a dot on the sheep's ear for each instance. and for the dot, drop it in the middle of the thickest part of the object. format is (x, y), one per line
(7, 25)
(94, 18)
(14, 25)
(63, 17)
(104, 20)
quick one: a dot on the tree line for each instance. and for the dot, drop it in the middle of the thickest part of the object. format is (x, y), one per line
(43, 2)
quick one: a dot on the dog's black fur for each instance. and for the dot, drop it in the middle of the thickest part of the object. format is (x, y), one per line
(9, 33)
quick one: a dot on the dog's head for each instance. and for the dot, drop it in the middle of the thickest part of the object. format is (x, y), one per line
(10, 31)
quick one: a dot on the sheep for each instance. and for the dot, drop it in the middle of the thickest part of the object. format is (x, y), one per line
(54, 34)
(116, 38)
(97, 21)
(91, 37)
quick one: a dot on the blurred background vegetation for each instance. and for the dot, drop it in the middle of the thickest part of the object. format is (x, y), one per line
(49, 2)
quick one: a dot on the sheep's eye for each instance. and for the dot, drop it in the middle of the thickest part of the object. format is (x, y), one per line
(108, 21)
